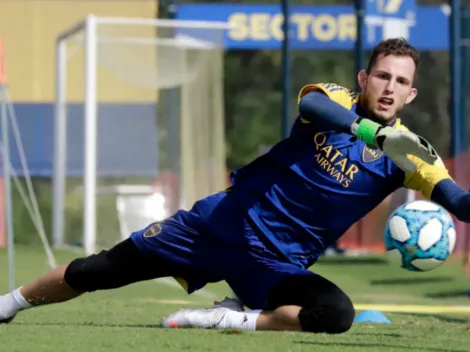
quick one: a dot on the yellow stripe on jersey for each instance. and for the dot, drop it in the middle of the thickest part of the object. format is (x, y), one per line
(426, 176)
(183, 283)
(341, 95)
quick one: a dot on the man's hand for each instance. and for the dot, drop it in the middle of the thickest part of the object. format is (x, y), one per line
(397, 144)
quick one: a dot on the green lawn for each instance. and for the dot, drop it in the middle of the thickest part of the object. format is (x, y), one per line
(127, 319)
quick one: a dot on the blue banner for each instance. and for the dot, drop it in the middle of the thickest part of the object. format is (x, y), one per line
(321, 27)
(391, 8)
(121, 140)
(389, 18)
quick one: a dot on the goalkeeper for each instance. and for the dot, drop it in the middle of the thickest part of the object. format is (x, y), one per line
(345, 154)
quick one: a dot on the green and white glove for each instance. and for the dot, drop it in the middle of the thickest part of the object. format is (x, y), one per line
(397, 144)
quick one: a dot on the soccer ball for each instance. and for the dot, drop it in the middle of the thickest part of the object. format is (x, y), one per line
(419, 235)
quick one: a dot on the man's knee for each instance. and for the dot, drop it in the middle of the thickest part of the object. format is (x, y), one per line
(106, 270)
(325, 307)
(90, 273)
(334, 316)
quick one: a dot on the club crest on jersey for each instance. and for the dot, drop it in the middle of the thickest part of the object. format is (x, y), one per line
(153, 230)
(369, 155)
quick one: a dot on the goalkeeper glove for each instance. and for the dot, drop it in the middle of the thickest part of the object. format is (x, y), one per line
(397, 144)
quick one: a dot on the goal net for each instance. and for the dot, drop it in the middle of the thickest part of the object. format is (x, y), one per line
(138, 125)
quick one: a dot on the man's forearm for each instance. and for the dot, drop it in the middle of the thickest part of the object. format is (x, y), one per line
(453, 198)
(317, 108)
(326, 114)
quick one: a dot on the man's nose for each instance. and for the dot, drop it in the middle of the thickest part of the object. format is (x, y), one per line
(390, 86)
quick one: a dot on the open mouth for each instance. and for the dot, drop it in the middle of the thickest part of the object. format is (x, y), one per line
(386, 102)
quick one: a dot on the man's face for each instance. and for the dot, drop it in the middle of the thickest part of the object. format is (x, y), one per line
(388, 87)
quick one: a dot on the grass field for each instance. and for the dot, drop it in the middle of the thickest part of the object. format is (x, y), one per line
(128, 319)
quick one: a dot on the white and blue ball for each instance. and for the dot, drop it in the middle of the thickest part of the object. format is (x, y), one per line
(420, 235)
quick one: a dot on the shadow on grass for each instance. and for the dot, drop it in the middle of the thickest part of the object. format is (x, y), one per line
(103, 325)
(381, 334)
(378, 346)
(413, 280)
(449, 294)
(338, 260)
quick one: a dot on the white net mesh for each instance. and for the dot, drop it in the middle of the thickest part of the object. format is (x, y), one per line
(160, 120)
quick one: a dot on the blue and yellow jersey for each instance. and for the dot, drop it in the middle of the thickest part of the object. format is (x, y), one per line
(312, 186)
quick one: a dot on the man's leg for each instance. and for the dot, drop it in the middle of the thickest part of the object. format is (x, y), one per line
(122, 265)
(307, 303)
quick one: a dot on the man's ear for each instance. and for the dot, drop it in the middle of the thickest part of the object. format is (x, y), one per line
(362, 79)
(412, 95)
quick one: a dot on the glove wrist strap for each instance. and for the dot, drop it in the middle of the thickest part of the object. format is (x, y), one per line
(366, 131)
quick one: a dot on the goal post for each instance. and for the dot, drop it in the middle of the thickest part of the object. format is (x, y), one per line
(173, 132)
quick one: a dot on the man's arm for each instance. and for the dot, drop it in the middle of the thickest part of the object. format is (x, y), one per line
(316, 107)
(435, 184)
(453, 198)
